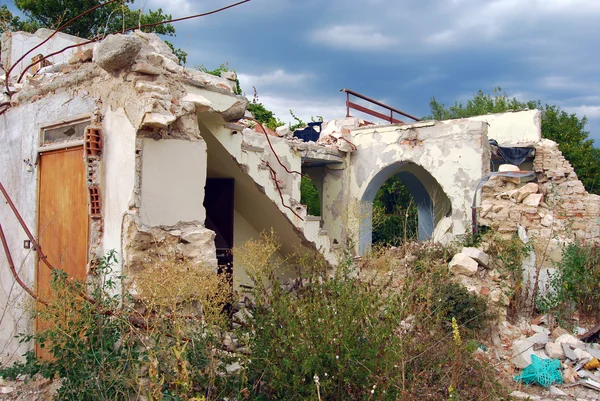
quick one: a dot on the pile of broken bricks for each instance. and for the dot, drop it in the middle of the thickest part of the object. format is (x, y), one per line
(579, 361)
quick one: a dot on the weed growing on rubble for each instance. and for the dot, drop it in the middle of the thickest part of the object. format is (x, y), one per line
(161, 344)
(574, 286)
(345, 335)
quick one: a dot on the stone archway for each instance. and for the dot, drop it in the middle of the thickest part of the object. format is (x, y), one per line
(432, 202)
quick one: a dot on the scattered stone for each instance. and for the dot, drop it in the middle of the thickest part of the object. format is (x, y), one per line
(85, 55)
(582, 355)
(519, 395)
(6, 389)
(556, 392)
(284, 131)
(555, 351)
(557, 332)
(540, 329)
(522, 351)
(463, 264)
(568, 351)
(533, 200)
(525, 191)
(116, 52)
(568, 339)
(485, 291)
(481, 257)
(547, 220)
(145, 68)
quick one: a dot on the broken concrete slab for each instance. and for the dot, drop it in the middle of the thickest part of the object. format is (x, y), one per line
(568, 351)
(157, 120)
(200, 102)
(478, 255)
(463, 264)
(116, 52)
(522, 351)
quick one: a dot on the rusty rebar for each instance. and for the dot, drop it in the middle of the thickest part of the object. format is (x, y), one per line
(127, 30)
(13, 270)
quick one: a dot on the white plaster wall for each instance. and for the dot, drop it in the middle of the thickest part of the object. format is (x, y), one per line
(243, 231)
(455, 153)
(173, 180)
(17, 44)
(118, 178)
(19, 129)
(513, 128)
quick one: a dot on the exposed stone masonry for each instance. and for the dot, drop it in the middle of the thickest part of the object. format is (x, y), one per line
(554, 207)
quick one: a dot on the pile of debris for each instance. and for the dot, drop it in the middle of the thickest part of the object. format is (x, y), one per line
(579, 360)
(36, 388)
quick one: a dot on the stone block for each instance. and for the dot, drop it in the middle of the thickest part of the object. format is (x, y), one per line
(116, 52)
(555, 351)
(533, 200)
(478, 255)
(503, 168)
(463, 264)
(525, 191)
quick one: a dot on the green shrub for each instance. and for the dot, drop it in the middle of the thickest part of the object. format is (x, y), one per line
(340, 336)
(454, 301)
(575, 286)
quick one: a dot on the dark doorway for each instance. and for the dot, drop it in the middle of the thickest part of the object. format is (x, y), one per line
(218, 202)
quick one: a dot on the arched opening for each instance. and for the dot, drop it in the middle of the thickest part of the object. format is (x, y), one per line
(429, 199)
(395, 214)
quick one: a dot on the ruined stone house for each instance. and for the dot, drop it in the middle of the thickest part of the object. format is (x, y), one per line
(116, 146)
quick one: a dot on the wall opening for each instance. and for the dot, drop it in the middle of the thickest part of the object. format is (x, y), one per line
(395, 214)
(309, 196)
(428, 197)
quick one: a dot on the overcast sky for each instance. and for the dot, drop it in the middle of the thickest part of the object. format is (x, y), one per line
(300, 53)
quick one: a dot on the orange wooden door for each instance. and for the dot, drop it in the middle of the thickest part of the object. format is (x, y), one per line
(63, 221)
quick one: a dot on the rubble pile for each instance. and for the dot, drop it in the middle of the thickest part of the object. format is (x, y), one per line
(576, 361)
(473, 269)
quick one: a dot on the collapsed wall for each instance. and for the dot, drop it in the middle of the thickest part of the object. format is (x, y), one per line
(554, 208)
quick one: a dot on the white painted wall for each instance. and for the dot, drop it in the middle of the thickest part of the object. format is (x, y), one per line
(118, 178)
(455, 153)
(173, 179)
(19, 129)
(16, 44)
(513, 128)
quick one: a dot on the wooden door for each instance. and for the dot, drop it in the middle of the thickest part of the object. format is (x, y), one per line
(63, 221)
